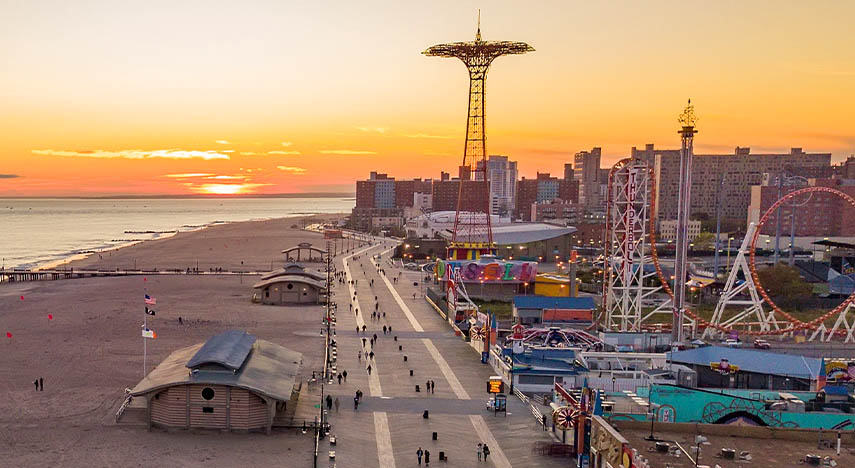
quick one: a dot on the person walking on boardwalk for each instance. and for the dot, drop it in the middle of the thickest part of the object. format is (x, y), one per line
(355, 403)
(359, 355)
(344, 374)
(371, 356)
(363, 331)
(486, 452)
(432, 386)
(427, 386)
(369, 369)
(339, 379)
(41, 384)
(329, 402)
(336, 404)
(419, 453)
(479, 449)
(427, 457)
(36, 383)
(384, 329)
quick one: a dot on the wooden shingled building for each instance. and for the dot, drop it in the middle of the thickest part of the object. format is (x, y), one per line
(233, 381)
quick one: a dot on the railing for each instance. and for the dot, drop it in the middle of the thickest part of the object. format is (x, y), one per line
(538, 416)
(125, 404)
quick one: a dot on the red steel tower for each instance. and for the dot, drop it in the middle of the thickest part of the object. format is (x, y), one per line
(473, 235)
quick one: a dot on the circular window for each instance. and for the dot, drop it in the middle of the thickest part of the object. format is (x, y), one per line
(290, 286)
(208, 393)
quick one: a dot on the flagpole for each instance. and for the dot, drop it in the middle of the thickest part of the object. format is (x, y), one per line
(145, 344)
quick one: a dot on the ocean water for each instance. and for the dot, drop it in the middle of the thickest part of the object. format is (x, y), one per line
(38, 232)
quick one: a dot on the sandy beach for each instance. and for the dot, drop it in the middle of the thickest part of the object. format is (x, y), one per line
(92, 350)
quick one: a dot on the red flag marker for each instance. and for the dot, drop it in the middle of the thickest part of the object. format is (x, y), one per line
(8, 334)
(50, 316)
(22, 298)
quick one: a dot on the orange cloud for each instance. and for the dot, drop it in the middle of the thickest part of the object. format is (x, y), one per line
(292, 169)
(283, 152)
(135, 154)
(346, 151)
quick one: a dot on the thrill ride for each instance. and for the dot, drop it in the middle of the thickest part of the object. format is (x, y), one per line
(627, 283)
(473, 234)
(760, 315)
(627, 276)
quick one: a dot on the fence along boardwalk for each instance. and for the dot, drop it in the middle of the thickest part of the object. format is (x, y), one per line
(13, 276)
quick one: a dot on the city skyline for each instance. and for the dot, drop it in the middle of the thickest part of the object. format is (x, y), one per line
(281, 98)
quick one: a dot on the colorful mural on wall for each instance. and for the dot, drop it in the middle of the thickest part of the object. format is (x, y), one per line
(749, 407)
(489, 270)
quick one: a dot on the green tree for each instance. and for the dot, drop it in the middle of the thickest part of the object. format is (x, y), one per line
(783, 282)
(704, 241)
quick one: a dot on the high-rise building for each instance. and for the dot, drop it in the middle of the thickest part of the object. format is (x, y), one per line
(542, 189)
(445, 193)
(502, 174)
(587, 173)
(733, 174)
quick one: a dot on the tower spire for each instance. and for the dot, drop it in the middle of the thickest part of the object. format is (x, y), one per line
(478, 34)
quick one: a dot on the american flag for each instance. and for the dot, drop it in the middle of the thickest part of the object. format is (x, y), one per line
(150, 300)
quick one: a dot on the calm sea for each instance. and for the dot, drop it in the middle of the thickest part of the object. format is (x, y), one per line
(36, 232)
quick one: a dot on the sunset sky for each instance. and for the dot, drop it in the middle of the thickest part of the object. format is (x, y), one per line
(166, 97)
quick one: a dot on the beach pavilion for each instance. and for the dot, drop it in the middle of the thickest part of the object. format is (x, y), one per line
(290, 285)
(308, 249)
(233, 381)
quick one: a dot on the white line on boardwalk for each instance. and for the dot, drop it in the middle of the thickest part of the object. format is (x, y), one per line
(458, 389)
(374, 378)
(384, 441)
(415, 323)
(499, 458)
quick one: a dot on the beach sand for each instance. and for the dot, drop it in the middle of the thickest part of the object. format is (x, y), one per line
(92, 350)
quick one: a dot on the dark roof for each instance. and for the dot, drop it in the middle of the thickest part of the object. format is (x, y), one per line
(829, 243)
(547, 302)
(270, 370)
(813, 272)
(750, 360)
(292, 271)
(228, 349)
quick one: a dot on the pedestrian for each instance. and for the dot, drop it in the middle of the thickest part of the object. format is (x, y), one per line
(384, 329)
(345, 375)
(375, 337)
(41, 384)
(336, 404)
(486, 452)
(376, 306)
(479, 450)
(329, 402)
(36, 383)
(419, 455)
(390, 326)
(427, 386)
(371, 356)
(339, 379)
(414, 296)
(432, 386)
(384, 314)
(363, 342)
(359, 355)
(355, 403)
(369, 369)
(359, 394)
(357, 329)
(427, 457)
(363, 331)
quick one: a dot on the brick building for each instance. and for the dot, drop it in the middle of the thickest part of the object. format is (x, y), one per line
(445, 192)
(543, 188)
(734, 173)
(823, 215)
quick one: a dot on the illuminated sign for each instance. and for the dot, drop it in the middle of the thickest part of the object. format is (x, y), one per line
(493, 271)
(495, 385)
(724, 367)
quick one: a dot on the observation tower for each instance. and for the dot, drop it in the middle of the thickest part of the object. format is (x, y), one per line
(473, 235)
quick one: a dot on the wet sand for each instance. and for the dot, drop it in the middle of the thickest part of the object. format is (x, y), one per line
(92, 350)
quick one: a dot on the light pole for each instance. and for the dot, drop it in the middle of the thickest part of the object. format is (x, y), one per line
(687, 134)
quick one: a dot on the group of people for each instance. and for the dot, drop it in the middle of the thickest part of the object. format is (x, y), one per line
(430, 386)
(482, 449)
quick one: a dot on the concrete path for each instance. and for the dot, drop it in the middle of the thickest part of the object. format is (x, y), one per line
(388, 426)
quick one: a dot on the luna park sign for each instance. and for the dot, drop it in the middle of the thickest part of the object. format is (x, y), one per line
(493, 271)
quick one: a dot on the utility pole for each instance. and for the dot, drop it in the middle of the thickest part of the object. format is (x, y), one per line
(719, 192)
(778, 220)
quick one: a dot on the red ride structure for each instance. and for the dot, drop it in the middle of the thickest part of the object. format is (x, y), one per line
(793, 324)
